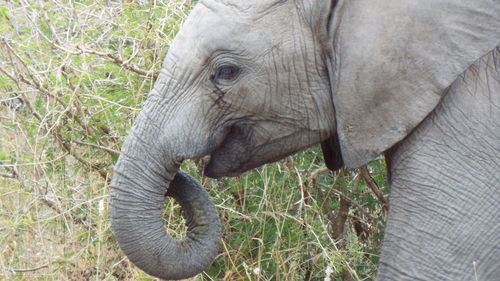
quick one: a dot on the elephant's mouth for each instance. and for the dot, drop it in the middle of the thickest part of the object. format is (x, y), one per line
(232, 156)
(249, 145)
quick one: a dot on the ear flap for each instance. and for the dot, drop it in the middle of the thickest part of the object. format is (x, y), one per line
(392, 60)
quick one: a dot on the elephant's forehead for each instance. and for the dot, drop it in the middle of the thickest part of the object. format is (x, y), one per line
(211, 28)
(215, 26)
(245, 7)
(208, 28)
(205, 31)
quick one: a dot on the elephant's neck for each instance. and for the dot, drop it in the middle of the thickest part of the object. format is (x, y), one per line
(445, 182)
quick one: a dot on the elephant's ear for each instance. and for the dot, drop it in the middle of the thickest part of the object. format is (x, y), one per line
(391, 62)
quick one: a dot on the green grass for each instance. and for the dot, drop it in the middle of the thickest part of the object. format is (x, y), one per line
(72, 77)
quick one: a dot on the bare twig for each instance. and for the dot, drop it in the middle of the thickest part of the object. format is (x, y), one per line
(315, 174)
(107, 149)
(363, 171)
(125, 64)
(16, 270)
(66, 145)
(56, 209)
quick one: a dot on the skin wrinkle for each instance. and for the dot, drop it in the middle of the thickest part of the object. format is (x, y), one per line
(222, 113)
(219, 106)
(433, 207)
(469, 164)
(276, 73)
(450, 177)
(302, 50)
(271, 86)
(290, 90)
(493, 69)
(406, 243)
(302, 97)
(402, 275)
(429, 207)
(167, 79)
(318, 70)
(166, 103)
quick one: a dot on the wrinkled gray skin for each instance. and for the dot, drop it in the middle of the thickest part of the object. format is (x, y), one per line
(418, 80)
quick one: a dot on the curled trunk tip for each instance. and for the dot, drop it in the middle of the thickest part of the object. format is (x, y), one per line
(136, 218)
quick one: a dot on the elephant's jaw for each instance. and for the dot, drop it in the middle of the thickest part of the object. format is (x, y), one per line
(247, 146)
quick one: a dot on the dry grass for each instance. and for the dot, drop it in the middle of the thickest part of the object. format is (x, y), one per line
(72, 77)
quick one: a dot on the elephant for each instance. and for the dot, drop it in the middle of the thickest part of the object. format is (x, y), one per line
(251, 82)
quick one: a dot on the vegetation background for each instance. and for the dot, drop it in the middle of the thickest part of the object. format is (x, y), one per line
(73, 75)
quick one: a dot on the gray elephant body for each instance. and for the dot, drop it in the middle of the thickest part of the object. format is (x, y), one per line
(443, 220)
(250, 82)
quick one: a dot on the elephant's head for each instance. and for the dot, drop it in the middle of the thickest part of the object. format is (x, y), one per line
(251, 82)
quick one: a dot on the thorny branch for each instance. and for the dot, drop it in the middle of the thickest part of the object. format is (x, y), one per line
(51, 128)
(49, 203)
(107, 149)
(125, 64)
(19, 77)
(82, 50)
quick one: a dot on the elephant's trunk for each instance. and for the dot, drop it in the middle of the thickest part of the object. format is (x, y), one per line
(138, 189)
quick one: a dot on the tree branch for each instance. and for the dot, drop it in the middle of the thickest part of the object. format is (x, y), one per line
(107, 149)
(363, 171)
(147, 74)
(17, 270)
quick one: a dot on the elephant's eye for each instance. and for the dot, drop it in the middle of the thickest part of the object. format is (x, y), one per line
(226, 72)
